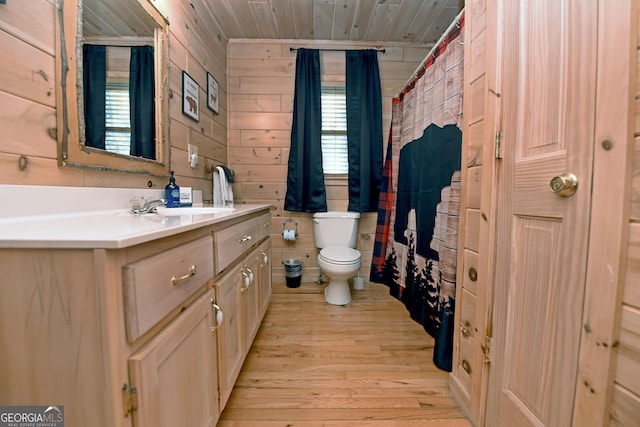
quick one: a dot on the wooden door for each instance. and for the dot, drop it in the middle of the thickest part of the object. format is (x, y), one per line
(547, 89)
(176, 373)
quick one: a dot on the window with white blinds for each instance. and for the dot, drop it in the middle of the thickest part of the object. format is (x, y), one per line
(334, 130)
(118, 121)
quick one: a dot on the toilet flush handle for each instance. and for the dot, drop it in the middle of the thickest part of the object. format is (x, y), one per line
(316, 221)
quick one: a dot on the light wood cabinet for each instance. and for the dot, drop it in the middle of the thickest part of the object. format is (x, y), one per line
(243, 293)
(176, 372)
(264, 276)
(129, 337)
(255, 291)
(230, 338)
(249, 294)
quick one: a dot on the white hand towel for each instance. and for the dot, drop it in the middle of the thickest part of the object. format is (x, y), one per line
(218, 195)
(225, 194)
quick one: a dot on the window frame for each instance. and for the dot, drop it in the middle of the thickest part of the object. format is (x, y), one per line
(340, 167)
(111, 145)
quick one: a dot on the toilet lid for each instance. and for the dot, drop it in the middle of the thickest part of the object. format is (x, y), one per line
(338, 255)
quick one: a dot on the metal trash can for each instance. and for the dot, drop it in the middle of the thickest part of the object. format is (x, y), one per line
(293, 272)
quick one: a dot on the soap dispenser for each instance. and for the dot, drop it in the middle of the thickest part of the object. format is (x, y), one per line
(172, 193)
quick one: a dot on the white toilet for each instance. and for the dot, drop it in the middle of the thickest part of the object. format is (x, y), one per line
(336, 233)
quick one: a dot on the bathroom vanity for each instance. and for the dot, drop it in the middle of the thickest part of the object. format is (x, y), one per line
(131, 320)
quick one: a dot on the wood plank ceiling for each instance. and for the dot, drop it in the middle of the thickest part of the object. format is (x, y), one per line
(408, 21)
(114, 19)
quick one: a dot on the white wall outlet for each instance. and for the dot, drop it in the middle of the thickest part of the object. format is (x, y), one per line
(192, 155)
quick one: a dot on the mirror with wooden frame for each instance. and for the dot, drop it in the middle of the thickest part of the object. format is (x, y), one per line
(112, 86)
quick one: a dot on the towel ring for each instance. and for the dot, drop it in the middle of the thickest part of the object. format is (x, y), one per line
(284, 226)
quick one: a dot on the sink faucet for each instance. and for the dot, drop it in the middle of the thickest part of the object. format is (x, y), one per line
(149, 206)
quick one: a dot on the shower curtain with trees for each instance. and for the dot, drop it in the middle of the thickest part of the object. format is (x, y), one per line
(416, 243)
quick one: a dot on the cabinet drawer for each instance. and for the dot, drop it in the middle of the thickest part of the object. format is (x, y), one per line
(156, 285)
(232, 242)
(264, 225)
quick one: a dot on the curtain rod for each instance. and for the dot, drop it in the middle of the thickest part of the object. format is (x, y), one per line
(378, 49)
(456, 22)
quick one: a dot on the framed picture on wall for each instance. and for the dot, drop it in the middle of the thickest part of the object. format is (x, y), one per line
(213, 98)
(190, 97)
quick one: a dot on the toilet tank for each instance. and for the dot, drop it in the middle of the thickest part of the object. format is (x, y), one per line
(335, 229)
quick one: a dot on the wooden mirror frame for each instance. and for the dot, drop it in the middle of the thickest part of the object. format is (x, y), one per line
(72, 151)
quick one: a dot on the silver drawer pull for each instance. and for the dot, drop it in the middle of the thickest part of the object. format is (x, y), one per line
(219, 316)
(246, 281)
(246, 238)
(192, 272)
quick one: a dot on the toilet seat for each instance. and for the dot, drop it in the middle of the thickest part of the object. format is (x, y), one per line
(340, 255)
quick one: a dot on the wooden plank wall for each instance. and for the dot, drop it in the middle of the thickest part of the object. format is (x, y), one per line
(28, 107)
(625, 408)
(466, 383)
(261, 86)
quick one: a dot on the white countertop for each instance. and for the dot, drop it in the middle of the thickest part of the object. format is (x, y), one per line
(75, 217)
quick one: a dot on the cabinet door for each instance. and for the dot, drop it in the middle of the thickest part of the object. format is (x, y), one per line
(230, 340)
(175, 373)
(264, 276)
(249, 296)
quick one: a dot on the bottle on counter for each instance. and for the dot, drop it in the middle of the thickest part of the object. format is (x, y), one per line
(172, 193)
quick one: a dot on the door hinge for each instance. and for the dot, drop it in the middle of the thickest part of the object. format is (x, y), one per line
(486, 349)
(498, 147)
(129, 399)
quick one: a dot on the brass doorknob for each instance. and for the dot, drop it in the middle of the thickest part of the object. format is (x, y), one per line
(564, 185)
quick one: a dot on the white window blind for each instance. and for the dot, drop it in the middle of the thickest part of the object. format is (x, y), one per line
(118, 121)
(334, 130)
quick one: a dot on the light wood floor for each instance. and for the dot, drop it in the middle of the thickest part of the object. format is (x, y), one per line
(365, 364)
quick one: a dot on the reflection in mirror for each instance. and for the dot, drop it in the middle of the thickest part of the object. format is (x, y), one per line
(118, 73)
(121, 86)
(119, 109)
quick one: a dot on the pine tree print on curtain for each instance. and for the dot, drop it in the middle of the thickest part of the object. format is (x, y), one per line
(419, 265)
